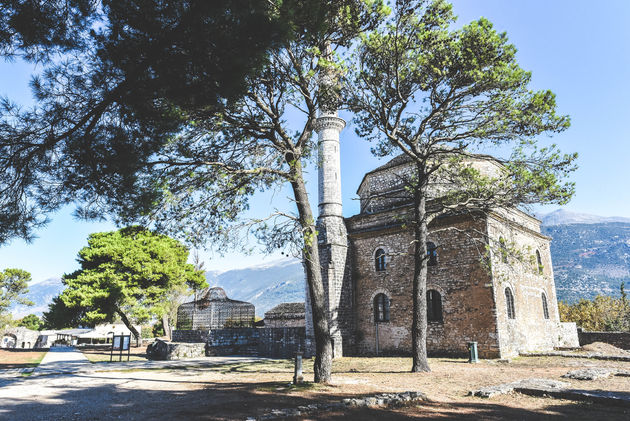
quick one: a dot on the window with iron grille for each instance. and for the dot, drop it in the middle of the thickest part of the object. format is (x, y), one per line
(434, 306)
(381, 308)
(544, 306)
(539, 262)
(379, 260)
(509, 302)
(432, 253)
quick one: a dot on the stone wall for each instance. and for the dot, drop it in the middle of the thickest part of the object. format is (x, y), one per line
(284, 322)
(281, 342)
(460, 278)
(618, 339)
(233, 342)
(18, 337)
(262, 342)
(516, 268)
(180, 335)
(169, 351)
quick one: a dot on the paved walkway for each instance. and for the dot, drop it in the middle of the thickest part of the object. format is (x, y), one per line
(69, 360)
(62, 359)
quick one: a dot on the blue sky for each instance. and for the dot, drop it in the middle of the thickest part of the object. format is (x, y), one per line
(579, 49)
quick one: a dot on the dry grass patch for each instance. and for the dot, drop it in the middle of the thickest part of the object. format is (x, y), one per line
(100, 353)
(21, 358)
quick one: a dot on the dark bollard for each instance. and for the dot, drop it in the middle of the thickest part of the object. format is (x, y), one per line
(472, 352)
(297, 375)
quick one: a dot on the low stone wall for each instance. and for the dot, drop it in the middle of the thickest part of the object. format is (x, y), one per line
(263, 342)
(191, 335)
(281, 342)
(618, 339)
(243, 341)
(169, 351)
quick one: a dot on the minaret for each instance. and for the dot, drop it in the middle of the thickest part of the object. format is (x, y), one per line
(332, 234)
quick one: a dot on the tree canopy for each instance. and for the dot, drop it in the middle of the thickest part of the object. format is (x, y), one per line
(119, 78)
(61, 316)
(602, 313)
(13, 287)
(32, 321)
(440, 96)
(125, 125)
(128, 274)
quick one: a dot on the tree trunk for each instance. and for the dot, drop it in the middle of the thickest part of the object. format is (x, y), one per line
(131, 327)
(419, 325)
(323, 343)
(167, 326)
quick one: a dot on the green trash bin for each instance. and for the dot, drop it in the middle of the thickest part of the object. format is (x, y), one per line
(472, 352)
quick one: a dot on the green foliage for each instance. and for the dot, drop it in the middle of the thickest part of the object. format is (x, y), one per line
(157, 330)
(62, 316)
(6, 319)
(147, 331)
(13, 286)
(136, 71)
(31, 321)
(439, 95)
(128, 273)
(603, 313)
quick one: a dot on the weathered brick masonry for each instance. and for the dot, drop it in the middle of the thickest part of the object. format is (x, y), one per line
(472, 275)
(460, 278)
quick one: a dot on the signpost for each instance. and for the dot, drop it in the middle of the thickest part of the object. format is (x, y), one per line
(120, 343)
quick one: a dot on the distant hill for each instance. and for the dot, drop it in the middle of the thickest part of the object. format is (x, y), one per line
(591, 255)
(564, 217)
(590, 258)
(40, 293)
(265, 286)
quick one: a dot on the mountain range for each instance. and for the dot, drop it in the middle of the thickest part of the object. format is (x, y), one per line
(590, 254)
(564, 217)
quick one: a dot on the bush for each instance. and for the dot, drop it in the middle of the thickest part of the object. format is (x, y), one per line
(603, 313)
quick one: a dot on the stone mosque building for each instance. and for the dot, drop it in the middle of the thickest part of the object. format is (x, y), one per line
(367, 263)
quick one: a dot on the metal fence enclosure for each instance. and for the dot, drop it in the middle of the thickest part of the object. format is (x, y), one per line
(215, 311)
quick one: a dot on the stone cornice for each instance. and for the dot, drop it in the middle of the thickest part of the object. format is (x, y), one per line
(329, 122)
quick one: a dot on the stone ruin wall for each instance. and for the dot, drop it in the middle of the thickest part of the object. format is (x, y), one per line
(19, 337)
(284, 322)
(464, 284)
(262, 342)
(618, 339)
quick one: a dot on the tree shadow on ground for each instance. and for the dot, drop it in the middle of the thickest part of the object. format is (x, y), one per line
(481, 411)
(165, 398)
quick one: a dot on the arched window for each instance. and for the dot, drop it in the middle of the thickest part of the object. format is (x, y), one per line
(381, 308)
(379, 260)
(434, 306)
(544, 305)
(503, 250)
(432, 253)
(539, 262)
(509, 302)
